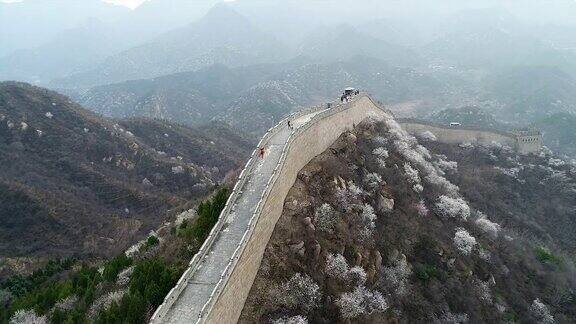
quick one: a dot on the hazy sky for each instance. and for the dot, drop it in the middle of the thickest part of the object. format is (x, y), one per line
(128, 3)
(135, 3)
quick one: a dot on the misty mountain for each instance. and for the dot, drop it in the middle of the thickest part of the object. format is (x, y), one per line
(73, 183)
(32, 23)
(253, 98)
(188, 97)
(154, 17)
(92, 42)
(397, 32)
(221, 37)
(345, 42)
(492, 47)
(532, 93)
(492, 38)
(559, 132)
(310, 84)
(467, 117)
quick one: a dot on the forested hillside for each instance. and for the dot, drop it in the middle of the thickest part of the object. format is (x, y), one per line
(380, 228)
(74, 184)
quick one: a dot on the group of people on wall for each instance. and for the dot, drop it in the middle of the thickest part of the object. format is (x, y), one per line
(348, 94)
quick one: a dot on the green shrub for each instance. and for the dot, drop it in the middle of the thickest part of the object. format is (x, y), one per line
(152, 241)
(43, 297)
(208, 213)
(20, 285)
(113, 267)
(425, 272)
(151, 281)
(544, 255)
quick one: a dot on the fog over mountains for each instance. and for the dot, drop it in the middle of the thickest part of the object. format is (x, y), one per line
(197, 61)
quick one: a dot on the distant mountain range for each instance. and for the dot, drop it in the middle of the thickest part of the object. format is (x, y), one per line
(69, 176)
(493, 38)
(248, 64)
(90, 32)
(559, 131)
(467, 117)
(32, 23)
(345, 42)
(221, 37)
(254, 98)
(532, 93)
(189, 97)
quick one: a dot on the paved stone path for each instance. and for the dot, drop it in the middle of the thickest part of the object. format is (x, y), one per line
(186, 309)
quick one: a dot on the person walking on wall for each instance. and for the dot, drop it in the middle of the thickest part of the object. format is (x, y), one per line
(290, 125)
(261, 152)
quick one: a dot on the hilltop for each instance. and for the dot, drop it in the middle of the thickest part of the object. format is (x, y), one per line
(75, 184)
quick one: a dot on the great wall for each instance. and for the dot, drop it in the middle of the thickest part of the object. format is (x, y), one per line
(216, 284)
(523, 141)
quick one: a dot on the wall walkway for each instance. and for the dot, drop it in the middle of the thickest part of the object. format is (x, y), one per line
(215, 286)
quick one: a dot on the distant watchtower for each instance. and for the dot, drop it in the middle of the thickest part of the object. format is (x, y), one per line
(528, 140)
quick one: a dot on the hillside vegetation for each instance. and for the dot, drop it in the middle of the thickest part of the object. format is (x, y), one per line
(124, 289)
(74, 184)
(381, 229)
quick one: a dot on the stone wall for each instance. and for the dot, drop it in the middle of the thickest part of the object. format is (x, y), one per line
(459, 135)
(306, 144)
(523, 144)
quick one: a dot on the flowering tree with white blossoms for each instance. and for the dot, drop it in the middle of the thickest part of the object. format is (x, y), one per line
(357, 276)
(298, 319)
(336, 266)
(422, 208)
(368, 217)
(299, 292)
(411, 174)
(396, 277)
(448, 166)
(418, 188)
(487, 226)
(541, 312)
(325, 218)
(381, 152)
(354, 190)
(381, 140)
(483, 290)
(449, 207)
(360, 302)
(372, 181)
(464, 241)
(27, 317)
(347, 196)
(408, 147)
(178, 169)
(428, 136)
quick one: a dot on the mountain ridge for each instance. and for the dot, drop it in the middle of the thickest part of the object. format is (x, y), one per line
(105, 183)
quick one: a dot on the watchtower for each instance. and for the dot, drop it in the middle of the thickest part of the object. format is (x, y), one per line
(528, 140)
